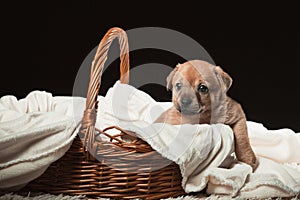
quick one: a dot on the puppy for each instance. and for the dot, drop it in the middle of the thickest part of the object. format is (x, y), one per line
(199, 96)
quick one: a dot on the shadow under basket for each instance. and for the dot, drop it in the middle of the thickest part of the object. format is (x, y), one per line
(111, 168)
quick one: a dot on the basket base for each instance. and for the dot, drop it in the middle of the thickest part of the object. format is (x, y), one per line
(74, 174)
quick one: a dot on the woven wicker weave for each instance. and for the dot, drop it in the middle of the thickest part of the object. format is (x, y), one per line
(113, 168)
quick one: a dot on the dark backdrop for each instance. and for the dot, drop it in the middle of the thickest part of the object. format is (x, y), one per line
(44, 44)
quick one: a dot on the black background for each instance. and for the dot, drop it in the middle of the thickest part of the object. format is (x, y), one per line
(44, 44)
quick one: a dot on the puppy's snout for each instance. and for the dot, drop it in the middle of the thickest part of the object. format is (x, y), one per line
(185, 101)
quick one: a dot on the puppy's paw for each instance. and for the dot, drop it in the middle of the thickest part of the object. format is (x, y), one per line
(253, 162)
(250, 159)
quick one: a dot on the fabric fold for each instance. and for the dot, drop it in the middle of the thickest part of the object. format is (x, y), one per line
(34, 132)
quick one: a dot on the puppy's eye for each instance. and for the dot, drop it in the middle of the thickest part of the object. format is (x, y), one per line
(178, 86)
(202, 88)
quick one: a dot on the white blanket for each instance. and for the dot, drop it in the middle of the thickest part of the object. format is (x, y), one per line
(34, 132)
(203, 152)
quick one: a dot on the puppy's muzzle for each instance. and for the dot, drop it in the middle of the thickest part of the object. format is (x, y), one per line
(186, 105)
(186, 101)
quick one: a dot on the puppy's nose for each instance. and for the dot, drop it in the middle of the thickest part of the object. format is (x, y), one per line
(185, 101)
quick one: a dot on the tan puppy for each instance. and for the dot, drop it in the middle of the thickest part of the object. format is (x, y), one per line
(199, 96)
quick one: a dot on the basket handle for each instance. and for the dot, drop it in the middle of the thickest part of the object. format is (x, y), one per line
(90, 113)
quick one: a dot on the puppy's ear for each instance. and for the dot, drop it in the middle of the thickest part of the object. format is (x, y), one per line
(171, 76)
(223, 77)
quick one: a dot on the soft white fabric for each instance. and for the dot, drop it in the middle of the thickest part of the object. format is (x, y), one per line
(278, 145)
(203, 152)
(34, 132)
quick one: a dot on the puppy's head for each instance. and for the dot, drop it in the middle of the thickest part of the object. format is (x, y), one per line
(197, 86)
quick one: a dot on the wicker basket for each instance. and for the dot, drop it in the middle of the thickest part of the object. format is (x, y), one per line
(113, 168)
